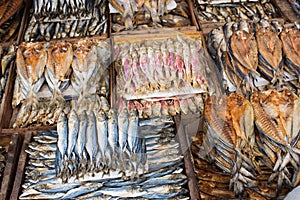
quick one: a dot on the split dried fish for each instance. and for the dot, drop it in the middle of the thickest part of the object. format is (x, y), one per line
(84, 65)
(271, 59)
(229, 136)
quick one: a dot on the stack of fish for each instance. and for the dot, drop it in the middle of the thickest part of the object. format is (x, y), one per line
(6, 56)
(253, 56)
(278, 123)
(145, 14)
(161, 70)
(230, 12)
(66, 18)
(256, 143)
(83, 64)
(10, 19)
(169, 107)
(296, 6)
(2, 160)
(164, 178)
(229, 138)
(96, 139)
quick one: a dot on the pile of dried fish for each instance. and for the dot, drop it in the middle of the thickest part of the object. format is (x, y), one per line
(295, 4)
(255, 144)
(164, 178)
(229, 139)
(61, 19)
(230, 12)
(145, 14)
(96, 139)
(169, 107)
(7, 55)
(2, 160)
(214, 183)
(278, 123)
(161, 68)
(255, 56)
(83, 64)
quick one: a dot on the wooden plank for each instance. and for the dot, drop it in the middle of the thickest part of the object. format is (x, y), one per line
(140, 35)
(6, 106)
(10, 167)
(189, 169)
(21, 168)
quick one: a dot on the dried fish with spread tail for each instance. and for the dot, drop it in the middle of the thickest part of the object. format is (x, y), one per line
(291, 49)
(58, 68)
(270, 53)
(243, 49)
(31, 60)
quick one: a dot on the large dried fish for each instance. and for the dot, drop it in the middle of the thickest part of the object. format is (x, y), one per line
(58, 68)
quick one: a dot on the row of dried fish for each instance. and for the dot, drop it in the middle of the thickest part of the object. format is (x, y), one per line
(164, 178)
(92, 139)
(230, 12)
(146, 14)
(213, 183)
(62, 19)
(2, 160)
(170, 107)
(172, 65)
(7, 55)
(83, 64)
(252, 56)
(232, 144)
(295, 4)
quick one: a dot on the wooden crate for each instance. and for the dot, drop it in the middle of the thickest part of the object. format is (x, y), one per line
(127, 32)
(207, 26)
(23, 158)
(12, 142)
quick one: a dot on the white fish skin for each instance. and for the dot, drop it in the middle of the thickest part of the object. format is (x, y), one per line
(62, 142)
(133, 130)
(112, 135)
(91, 144)
(81, 139)
(102, 135)
(123, 123)
(73, 126)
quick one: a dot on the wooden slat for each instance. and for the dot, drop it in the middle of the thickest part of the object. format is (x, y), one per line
(6, 106)
(20, 168)
(189, 169)
(10, 167)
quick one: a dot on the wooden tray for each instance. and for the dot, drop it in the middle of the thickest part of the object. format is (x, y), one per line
(192, 15)
(13, 144)
(23, 158)
(207, 26)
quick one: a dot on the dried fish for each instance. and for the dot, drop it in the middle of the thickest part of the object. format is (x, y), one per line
(76, 18)
(147, 14)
